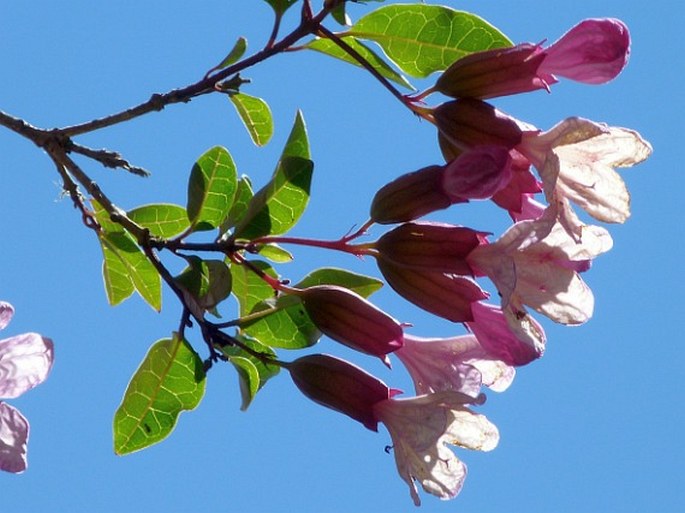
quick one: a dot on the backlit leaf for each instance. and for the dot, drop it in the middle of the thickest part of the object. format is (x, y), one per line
(330, 48)
(276, 207)
(122, 247)
(170, 380)
(253, 372)
(207, 281)
(280, 6)
(256, 117)
(211, 189)
(248, 288)
(422, 39)
(163, 220)
(236, 53)
(359, 283)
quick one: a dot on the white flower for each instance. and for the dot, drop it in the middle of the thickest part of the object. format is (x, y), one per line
(421, 427)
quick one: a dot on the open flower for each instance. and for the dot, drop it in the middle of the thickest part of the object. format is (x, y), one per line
(576, 161)
(25, 361)
(460, 364)
(537, 263)
(420, 428)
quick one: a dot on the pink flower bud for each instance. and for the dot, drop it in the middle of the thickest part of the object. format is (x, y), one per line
(468, 123)
(410, 196)
(594, 51)
(351, 320)
(498, 72)
(341, 386)
(430, 246)
(446, 295)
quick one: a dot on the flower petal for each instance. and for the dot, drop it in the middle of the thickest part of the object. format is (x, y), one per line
(14, 435)
(25, 361)
(6, 313)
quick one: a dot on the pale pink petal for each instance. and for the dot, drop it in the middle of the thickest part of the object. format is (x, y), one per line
(421, 426)
(14, 435)
(6, 313)
(508, 334)
(495, 374)
(25, 361)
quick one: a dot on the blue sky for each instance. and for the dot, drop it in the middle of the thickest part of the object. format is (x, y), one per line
(593, 426)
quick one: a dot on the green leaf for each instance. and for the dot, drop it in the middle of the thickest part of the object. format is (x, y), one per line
(235, 54)
(170, 380)
(297, 144)
(248, 376)
(340, 15)
(276, 207)
(163, 220)
(248, 288)
(256, 117)
(422, 39)
(275, 253)
(207, 281)
(359, 283)
(287, 327)
(133, 262)
(328, 47)
(211, 189)
(243, 196)
(280, 6)
(253, 372)
(118, 284)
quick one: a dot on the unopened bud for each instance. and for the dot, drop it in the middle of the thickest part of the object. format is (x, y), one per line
(446, 295)
(410, 196)
(430, 246)
(339, 385)
(348, 318)
(469, 123)
(498, 72)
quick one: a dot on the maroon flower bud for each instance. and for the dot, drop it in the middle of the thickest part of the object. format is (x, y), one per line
(445, 295)
(469, 123)
(410, 196)
(339, 385)
(348, 318)
(498, 72)
(430, 246)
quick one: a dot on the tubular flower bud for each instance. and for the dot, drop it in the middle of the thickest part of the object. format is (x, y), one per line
(420, 428)
(430, 246)
(498, 72)
(443, 294)
(593, 52)
(348, 318)
(410, 196)
(340, 385)
(468, 123)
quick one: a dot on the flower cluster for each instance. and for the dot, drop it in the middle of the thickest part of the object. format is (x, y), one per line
(536, 264)
(25, 361)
